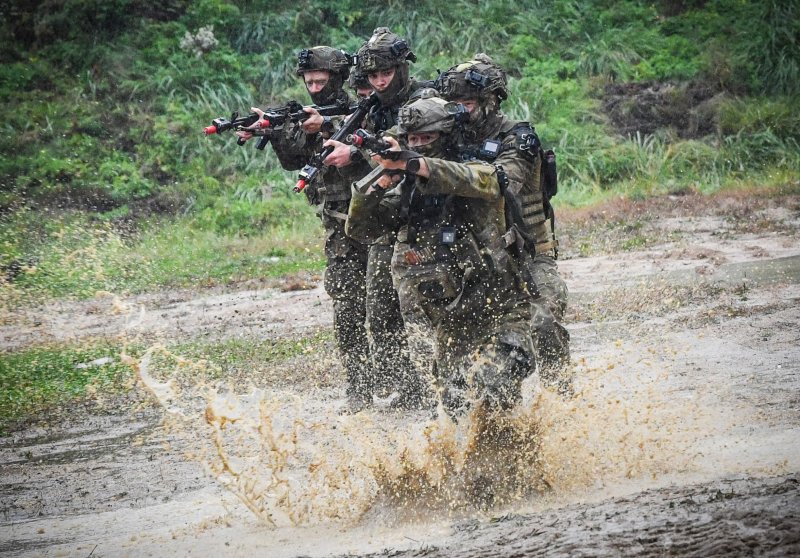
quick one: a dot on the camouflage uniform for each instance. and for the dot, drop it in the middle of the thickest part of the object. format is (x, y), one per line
(520, 155)
(450, 261)
(388, 336)
(346, 259)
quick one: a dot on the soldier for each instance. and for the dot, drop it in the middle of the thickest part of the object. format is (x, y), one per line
(384, 59)
(449, 258)
(324, 71)
(359, 83)
(480, 85)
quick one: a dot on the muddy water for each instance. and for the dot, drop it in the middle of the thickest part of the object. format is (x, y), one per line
(682, 436)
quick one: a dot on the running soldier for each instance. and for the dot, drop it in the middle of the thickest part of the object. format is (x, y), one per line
(450, 258)
(324, 71)
(480, 85)
(384, 59)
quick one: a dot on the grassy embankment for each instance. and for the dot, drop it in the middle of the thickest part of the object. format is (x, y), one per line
(108, 185)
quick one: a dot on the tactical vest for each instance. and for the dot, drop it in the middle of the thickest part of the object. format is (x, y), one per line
(529, 209)
(438, 251)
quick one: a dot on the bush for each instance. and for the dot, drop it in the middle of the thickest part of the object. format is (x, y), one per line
(781, 116)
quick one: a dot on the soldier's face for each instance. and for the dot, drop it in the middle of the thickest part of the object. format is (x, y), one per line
(469, 104)
(381, 79)
(422, 138)
(316, 80)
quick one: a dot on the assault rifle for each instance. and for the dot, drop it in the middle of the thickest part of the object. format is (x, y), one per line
(274, 119)
(310, 172)
(362, 138)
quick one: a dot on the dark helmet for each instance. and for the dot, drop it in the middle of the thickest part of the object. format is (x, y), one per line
(329, 59)
(475, 79)
(382, 51)
(429, 113)
(358, 80)
(426, 114)
(324, 58)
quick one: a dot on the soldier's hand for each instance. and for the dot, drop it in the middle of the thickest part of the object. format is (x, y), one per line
(388, 181)
(245, 134)
(388, 163)
(340, 156)
(314, 122)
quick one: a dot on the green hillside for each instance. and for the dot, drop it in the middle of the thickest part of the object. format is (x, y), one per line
(106, 181)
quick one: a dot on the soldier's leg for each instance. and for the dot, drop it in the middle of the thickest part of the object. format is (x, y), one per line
(345, 282)
(388, 339)
(506, 355)
(490, 357)
(551, 338)
(419, 332)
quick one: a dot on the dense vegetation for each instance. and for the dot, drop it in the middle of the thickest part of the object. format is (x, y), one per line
(104, 101)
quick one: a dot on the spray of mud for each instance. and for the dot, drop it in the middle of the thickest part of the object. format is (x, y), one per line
(292, 460)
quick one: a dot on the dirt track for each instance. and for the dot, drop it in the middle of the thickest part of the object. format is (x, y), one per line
(683, 437)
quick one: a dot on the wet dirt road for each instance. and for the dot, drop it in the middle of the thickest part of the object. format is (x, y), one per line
(683, 437)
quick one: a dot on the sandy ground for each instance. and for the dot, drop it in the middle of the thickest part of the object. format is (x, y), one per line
(682, 437)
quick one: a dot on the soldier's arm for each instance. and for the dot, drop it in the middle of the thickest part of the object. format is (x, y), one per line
(475, 179)
(294, 147)
(373, 215)
(522, 169)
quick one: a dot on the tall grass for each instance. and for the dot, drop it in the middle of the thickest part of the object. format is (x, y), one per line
(116, 123)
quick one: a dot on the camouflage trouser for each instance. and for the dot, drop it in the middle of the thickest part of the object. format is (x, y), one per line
(481, 350)
(387, 334)
(551, 339)
(345, 283)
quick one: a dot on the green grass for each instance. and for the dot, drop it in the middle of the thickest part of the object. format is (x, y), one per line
(36, 379)
(69, 255)
(251, 360)
(117, 118)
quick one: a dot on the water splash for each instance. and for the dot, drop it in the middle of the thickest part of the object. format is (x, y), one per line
(293, 461)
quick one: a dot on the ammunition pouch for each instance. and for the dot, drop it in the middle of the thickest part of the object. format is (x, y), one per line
(427, 273)
(549, 174)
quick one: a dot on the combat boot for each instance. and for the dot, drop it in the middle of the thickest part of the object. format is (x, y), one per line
(413, 394)
(552, 350)
(499, 377)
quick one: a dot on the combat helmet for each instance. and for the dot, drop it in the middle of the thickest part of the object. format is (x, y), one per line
(324, 58)
(329, 59)
(426, 114)
(475, 79)
(430, 113)
(382, 51)
(357, 79)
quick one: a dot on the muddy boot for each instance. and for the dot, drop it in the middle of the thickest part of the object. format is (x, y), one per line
(359, 390)
(414, 394)
(501, 392)
(499, 377)
(412, 400)
(454, 398)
